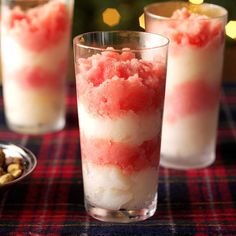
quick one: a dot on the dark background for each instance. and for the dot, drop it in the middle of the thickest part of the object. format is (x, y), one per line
(88, 13)
(88, 17)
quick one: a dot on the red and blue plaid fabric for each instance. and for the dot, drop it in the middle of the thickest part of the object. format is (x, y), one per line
(50, 202)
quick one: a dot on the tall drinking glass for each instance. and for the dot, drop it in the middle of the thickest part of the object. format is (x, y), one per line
(195, 61)
(120, 80)
(35, 39)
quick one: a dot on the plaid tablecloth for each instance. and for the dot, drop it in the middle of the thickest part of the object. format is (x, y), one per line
(50, 202)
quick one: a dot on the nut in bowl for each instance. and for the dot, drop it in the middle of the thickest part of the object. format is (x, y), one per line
(16, 163)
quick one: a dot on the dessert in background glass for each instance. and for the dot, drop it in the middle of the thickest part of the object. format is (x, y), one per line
(35, 39)
(120, 81)
(195, 61)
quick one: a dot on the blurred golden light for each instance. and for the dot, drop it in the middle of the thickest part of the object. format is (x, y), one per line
(196, 1)
(231, 29)
(111, 17)
(141, 21)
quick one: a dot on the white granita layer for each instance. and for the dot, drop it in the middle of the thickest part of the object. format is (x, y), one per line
(32, 107)
(15, 56)
(190, 63)
(190, 135)
(129, 128)
(108, 187)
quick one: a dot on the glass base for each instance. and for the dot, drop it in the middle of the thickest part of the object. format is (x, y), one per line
(191, 162)
(122, 215)
(37, 129)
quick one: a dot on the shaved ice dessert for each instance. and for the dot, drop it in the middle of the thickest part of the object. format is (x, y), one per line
(34, 43)
(120, 103)
(195, 63)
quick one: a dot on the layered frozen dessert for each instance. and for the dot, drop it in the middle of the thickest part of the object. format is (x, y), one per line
(120, 103)
(34, 43)
(193, 84)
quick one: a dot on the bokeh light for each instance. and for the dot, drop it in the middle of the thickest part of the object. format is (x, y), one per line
(231, 29)
(141, 21)
(111, 17)
(196, 1)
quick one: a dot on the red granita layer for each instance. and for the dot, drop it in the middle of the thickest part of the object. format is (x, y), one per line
(187, 28)
(128, 158)
(37, 77)
(38, 28)
(195, 29)
(110, 83)
(191, 97)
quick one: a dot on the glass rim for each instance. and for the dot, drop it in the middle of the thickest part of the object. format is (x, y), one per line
(147, 11)
(159, 45)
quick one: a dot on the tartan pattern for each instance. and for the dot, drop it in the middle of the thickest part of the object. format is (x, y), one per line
(50, 202)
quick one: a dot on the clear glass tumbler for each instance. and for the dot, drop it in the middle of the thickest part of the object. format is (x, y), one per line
(120, 81)
(195, 62)
(35, 39)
